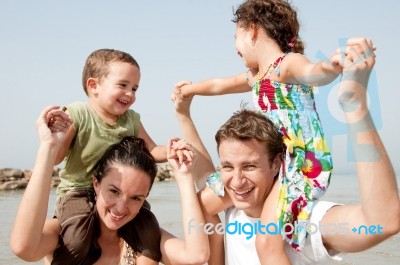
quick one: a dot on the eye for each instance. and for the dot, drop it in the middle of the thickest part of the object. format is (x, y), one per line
(226, 168)
(136, 198)
(114, 191)
(249, 167)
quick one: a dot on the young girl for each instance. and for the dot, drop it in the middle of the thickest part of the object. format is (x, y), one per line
(281, 79)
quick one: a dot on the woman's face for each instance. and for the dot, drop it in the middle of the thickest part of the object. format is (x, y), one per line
(120, 195)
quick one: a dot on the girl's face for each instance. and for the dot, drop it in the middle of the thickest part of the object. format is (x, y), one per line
(245, 46)
(120, 195)
(115, 93)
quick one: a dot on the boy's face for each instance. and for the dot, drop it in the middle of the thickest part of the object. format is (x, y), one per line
(247, 174)
(115, 93)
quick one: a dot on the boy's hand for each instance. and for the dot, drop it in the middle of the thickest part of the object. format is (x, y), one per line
(58, 120)
(51, 129)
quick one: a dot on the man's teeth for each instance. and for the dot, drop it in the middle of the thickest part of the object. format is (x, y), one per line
(243, 192)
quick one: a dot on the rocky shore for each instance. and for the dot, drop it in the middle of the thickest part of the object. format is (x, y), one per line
(14, 179)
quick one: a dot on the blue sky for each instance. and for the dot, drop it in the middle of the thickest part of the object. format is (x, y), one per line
(44, 45)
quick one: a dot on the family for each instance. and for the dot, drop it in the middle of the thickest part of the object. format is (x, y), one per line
(275, 163)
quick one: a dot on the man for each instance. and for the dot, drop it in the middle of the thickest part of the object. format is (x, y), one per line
(250, 160)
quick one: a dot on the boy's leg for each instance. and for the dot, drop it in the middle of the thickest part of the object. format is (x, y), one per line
(76, 214)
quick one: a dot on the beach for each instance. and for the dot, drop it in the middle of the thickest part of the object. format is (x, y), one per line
(164, 199)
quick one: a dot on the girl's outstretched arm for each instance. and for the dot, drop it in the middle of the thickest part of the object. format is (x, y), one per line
(297, 69)
(217, 86)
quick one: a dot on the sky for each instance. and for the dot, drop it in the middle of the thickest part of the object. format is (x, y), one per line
(44, 45)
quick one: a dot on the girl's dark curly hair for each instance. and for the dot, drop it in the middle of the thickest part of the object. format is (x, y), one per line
(277, 17)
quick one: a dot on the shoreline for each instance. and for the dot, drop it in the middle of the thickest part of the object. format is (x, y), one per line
(17, 179)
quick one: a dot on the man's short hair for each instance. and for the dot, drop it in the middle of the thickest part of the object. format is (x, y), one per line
(248, 124)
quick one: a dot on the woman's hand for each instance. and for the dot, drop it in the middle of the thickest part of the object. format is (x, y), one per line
(52, 125)
(180, 155)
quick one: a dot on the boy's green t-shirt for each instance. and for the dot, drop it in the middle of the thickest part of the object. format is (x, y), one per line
(92, 138)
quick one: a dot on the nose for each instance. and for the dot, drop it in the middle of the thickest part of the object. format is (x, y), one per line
(238, 178)
(121, 205)
(131, 96)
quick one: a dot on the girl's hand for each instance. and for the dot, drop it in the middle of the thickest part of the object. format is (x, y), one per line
(357, 66)
(182, 104)
(182, 87)
(358, 54)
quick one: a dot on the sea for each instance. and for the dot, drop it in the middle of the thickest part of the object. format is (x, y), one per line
(164, 199)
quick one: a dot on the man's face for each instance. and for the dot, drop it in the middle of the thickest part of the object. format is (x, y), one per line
(247, 174)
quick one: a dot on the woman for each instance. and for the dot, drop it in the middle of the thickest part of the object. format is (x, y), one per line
(123, 178)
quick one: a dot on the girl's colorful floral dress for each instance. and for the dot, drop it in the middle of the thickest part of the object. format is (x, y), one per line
(307, 168)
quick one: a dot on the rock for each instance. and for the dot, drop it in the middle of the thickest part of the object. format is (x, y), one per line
(13, 179)
(14, 185)
(10, 174)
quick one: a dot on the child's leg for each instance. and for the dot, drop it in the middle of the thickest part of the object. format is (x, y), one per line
(271, 248)
(77, 234)
(143, 233)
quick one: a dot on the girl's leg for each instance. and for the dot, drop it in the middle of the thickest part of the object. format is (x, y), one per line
(271, 247)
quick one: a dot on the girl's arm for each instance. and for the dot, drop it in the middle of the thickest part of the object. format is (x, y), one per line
(218, 86)
(194, 249)
(159, 152)
(30, 239)
(297, 69)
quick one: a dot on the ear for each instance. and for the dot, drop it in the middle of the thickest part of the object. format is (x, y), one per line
(276, 164)
(91, 85)
(254, 33)
(96, 185)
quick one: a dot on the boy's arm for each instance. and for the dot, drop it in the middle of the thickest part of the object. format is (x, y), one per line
(301, 70)
(380, 205)
(159, 152)
(218, 86)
